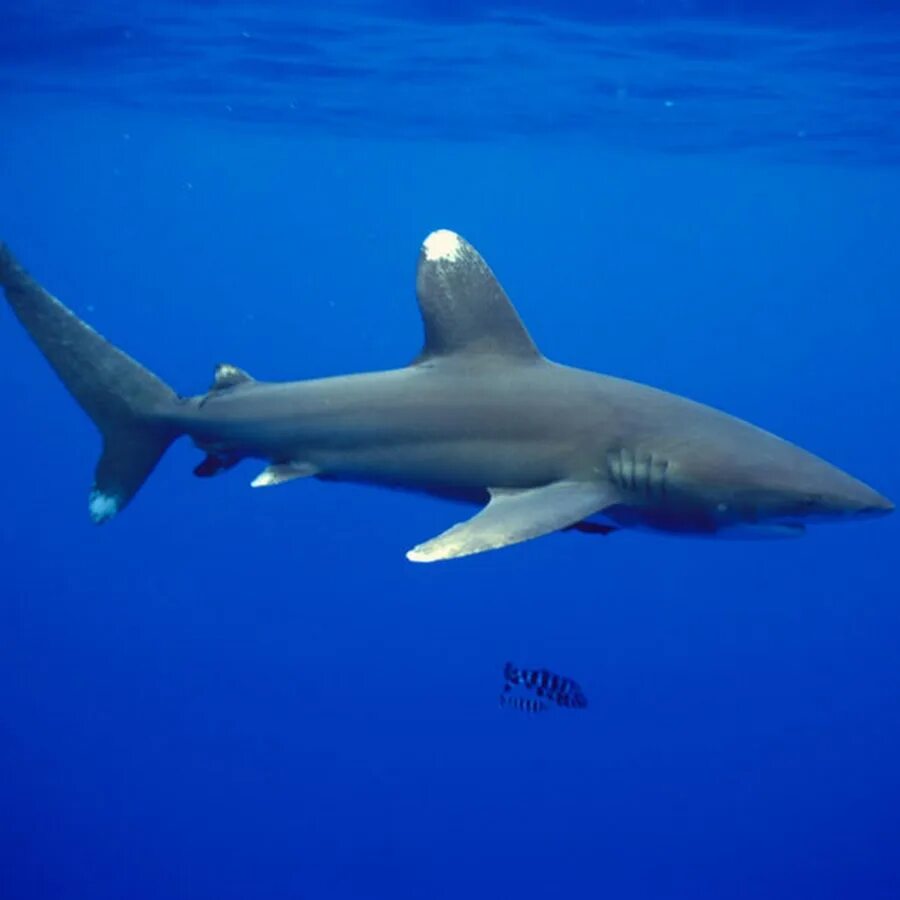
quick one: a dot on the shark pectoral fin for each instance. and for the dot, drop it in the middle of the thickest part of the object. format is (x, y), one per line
(513, 516)
(464, 308)
(279, 473)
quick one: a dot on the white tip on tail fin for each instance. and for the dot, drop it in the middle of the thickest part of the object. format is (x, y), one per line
(127, 403)
(102, 506)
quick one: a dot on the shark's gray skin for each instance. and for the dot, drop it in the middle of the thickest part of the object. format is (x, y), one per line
(480, 415)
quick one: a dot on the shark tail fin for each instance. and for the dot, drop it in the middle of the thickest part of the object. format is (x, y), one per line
(126, 402)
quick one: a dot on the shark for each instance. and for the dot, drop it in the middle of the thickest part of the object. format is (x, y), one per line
(480, 416)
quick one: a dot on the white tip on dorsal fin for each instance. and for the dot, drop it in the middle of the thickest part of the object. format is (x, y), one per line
(442, 245)
(227, 376)
(279, 473)
(464, 308)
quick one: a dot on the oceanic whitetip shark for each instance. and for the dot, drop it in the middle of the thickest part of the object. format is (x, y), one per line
(480, 415)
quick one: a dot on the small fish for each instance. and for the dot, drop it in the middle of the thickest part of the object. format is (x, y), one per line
(546, 684)
(523, 704)
(572, 701)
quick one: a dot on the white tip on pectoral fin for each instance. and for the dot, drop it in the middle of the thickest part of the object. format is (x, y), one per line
(279, 473)
(513, 516)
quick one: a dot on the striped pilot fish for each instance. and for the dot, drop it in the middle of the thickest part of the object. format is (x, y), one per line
(522, 704)
(546, 685)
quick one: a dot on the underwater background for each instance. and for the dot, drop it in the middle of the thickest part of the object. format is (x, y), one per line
(229, 693)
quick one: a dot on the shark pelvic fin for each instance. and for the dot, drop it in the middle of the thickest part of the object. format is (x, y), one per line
(228, 376)
(513, 516)
(464, 308)
(279, 473)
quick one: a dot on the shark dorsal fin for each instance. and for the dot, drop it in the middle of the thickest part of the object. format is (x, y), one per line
(227, 376)
(464, 308)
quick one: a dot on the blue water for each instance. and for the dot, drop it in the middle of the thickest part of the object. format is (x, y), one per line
(228, 693)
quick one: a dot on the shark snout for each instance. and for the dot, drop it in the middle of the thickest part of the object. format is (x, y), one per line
(878, 505)
(809, 489)
(854, 498)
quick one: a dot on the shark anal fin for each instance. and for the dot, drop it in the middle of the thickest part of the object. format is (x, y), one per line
(464, 308)
(279, 473)
(228, 376)
(214, 464)
(513, 516)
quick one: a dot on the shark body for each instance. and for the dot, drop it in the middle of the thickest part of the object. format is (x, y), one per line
(481, 415)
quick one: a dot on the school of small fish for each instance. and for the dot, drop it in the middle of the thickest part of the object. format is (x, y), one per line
(546, 687)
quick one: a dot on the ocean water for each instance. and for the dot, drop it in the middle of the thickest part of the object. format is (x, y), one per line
(227, 693)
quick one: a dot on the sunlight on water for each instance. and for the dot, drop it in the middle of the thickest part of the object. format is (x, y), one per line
(790, 90)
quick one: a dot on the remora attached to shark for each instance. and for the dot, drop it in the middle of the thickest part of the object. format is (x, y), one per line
(480, 415)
